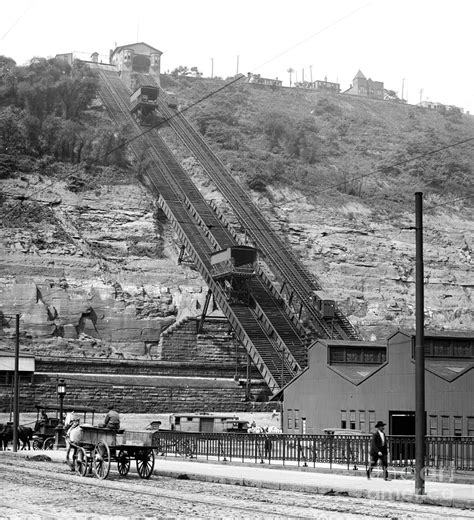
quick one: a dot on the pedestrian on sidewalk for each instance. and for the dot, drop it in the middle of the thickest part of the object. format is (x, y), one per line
(378, 450)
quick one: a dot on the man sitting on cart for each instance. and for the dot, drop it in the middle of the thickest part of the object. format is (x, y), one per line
(112, 419)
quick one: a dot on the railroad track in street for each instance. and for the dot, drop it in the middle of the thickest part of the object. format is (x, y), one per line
(49, 490)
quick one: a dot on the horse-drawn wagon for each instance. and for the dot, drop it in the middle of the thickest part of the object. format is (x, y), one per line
(48, 423)
(96, 448)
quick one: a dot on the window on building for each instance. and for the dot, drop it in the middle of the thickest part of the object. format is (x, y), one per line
(362, 420)
(458, 426)
(303, 425)
(371, 420)
(441, 348)
(445, 425)
(462, 349)
(290, 419)
(433, 425)
(357, 355)
(343, 419)
(447, 347)
(297, 420)
(352, 423)
(470, 426)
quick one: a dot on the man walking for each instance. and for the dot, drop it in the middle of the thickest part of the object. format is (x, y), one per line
(378, 450)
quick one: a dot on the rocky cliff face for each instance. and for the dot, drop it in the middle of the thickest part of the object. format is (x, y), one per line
(96, 272)
(90, 263)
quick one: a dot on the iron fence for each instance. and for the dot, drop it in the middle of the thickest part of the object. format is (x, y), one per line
(442, 453)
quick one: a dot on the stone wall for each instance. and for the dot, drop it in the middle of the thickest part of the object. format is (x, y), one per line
(188, 372)
(132, 394)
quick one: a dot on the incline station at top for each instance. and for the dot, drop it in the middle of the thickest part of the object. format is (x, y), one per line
(136, 58)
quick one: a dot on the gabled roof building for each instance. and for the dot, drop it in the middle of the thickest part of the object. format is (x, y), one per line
(351, 384)
(361, 86)
(137, 58)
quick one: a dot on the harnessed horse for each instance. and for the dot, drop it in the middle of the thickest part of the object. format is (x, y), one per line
(73, 435)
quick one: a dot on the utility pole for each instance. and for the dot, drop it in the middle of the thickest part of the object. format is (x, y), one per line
(302, 75)
(311, 73)
(16, 399)
(403, 86)
(420, 424)
(237, 64)
(421, 94)
(212, 68)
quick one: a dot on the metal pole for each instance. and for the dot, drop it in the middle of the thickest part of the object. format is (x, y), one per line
(16, 399)
(419, 353)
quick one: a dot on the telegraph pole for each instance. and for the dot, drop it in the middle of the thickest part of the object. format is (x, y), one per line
(16, 398)
(420, 424)
(212, 68)
(237, 64)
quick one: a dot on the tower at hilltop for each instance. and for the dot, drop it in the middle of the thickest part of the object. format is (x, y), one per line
(136, 58)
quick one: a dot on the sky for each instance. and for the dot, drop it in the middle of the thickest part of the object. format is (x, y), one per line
(419, 48)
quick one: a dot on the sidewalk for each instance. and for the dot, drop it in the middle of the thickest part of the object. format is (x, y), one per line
(308, 480)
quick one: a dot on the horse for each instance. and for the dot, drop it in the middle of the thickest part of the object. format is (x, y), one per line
(25, 434)
(73, 435)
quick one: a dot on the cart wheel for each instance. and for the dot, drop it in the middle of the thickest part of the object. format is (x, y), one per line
(37, 444)
(101, 460)
(81, 462)
(145, 463)
(48, 443)
(123, 463)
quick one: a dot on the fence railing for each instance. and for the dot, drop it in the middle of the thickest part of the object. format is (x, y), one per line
(453, 453)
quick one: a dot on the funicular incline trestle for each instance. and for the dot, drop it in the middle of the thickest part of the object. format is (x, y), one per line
(302, 287)
(182, 203)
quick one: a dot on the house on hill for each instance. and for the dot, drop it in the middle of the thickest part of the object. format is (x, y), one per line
(136, 58)
(354, 384)
(361, 86)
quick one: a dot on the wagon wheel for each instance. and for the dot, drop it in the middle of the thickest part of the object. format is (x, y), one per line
(48, 443)
(37, 444)
(145, 463)
(81, 462)
(101, 460)
(123, 462)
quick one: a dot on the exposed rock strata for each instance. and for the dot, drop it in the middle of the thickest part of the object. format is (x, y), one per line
(97, 270)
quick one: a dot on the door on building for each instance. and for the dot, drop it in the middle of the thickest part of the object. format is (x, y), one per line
(402, 424)
(207, 425)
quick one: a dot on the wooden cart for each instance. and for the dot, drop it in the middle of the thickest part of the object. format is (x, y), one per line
(99, 447)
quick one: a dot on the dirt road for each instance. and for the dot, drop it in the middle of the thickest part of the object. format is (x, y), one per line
(39, 490)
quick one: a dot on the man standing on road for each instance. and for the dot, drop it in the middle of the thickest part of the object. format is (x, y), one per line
(378, 450)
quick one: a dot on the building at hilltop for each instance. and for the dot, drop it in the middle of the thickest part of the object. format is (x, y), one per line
(361, 86)
(354, 384)
(136, 58)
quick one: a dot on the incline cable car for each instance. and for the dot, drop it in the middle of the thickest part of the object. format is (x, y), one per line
(143, 103)
(234, 261)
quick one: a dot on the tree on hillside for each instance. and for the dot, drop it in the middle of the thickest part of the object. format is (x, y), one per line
(53, 87)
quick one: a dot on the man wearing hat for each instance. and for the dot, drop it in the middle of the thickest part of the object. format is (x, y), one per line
(378, 450)
(112, 419)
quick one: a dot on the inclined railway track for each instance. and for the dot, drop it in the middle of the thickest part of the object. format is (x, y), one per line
(302, 283)
(203, 233)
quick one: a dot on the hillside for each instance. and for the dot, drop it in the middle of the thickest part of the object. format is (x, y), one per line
(90, 261)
